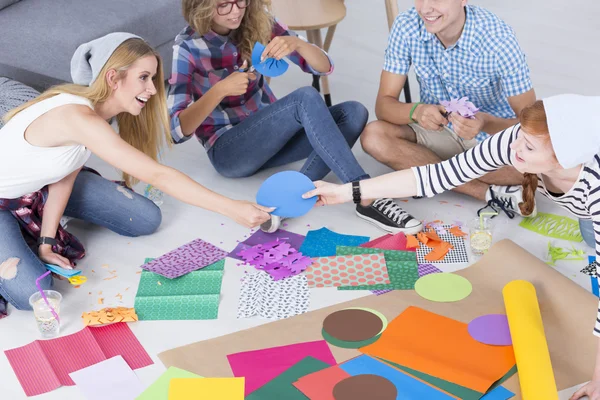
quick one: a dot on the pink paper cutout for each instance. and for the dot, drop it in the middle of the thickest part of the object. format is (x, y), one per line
(190, 257)
(261, 366)
(44, 365)
(390, 242)
(373, 242)
(296, 263)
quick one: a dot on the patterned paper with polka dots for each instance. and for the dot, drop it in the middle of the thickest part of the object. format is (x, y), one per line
(350, 270)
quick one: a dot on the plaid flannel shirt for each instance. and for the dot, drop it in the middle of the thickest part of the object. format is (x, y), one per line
(199, 62)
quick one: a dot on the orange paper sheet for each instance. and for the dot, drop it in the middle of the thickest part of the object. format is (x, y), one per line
(442, 347)
(412, 242)
(319, 385)
(422, 237)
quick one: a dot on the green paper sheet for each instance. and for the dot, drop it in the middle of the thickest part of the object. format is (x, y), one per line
(554, 226)
(348, 345)
(452, 388)
(192, 296)
(403, 275)
(389, 255)
(282, 386)
(159, 390)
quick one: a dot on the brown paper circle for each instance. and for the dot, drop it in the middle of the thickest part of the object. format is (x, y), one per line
(361, 387)
(352, 325)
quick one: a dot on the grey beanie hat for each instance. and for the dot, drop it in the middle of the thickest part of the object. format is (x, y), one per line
(90, 57)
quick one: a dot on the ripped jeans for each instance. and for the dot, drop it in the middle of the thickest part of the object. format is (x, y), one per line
(94, 199)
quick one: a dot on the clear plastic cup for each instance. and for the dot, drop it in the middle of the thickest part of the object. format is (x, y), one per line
(480, 235)
(47, 323)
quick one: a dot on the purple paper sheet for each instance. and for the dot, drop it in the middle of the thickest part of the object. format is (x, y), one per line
(260, 237)
(190, 257)
(491, 329)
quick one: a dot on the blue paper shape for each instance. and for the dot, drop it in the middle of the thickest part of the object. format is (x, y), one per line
(322, 242)
(270, 67)
(499, 393)
(408, 387)
(595, 290)
(284, 190)
(68, 273)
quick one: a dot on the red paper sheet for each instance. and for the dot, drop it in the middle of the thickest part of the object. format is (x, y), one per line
(319, 385)
(261, 366)
(373, 242)
(44, 365)
(390, 242)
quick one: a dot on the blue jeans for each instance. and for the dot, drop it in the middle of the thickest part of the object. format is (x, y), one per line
(296, 127)
(94, 199)
(586, 226)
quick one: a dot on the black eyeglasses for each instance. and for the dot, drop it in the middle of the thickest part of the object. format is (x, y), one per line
(226, 7)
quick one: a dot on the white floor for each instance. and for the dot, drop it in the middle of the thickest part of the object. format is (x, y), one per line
(559, 41)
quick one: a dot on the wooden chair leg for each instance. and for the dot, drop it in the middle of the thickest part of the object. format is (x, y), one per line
(324, 79)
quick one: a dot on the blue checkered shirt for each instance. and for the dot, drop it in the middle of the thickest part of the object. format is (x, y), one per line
(486, 64)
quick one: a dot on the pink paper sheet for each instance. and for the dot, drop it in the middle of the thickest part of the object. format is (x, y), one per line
(44, 365)
(261, 366)
(389, 242)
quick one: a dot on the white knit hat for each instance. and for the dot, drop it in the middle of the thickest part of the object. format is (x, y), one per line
(574, 125)
(90, 57)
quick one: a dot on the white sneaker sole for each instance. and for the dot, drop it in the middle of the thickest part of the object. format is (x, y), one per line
(407, 231)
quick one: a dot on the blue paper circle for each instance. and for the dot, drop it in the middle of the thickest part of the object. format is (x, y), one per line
(269, 67)
(284, 190)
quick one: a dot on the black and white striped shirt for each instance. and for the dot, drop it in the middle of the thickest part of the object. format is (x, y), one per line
(582, 200)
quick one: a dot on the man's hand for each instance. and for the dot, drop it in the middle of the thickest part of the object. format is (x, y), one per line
(430, 117)
(467, 128)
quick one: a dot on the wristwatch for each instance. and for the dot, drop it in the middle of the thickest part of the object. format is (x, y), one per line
(356, 192)
(46, 240)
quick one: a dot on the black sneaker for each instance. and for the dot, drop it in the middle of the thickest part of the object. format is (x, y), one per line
(389, 216)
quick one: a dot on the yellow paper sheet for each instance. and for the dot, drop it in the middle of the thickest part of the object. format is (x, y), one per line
(206, 389)
(529, 341)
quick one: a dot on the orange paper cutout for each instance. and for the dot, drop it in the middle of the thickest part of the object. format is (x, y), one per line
(109, 316)
(422, 237)
(319, 385)
(412, 242)
(432, 234)
(441, 347)
(439, 252)
(456, 231)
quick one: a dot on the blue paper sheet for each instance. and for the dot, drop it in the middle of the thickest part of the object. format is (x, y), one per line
(284, 191)
(68, 273)
(322, 242)
(408, 387)
(499, 393)
(270, 67)
(594, 279)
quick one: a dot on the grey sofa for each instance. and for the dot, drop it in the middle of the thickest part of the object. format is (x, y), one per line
(38, 37)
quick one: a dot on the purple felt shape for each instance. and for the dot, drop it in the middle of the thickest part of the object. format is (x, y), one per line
(462, 107)
(190, 257)
(491, 329)
(259, 237)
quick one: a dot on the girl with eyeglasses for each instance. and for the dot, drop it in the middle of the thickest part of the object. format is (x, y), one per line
(235, 115)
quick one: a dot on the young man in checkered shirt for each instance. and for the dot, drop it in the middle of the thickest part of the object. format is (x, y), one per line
(457, 50)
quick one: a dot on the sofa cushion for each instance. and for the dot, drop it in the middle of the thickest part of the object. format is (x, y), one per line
(12, 95)
(39, 37)
(6, 3)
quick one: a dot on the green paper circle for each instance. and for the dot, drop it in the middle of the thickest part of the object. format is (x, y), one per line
(443, 287)
(355, 345)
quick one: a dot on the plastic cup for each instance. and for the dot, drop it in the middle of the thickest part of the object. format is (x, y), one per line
(47, 323)
(480, 235)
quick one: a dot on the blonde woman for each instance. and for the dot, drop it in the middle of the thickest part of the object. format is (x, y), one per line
(46, 142)
(238, 120)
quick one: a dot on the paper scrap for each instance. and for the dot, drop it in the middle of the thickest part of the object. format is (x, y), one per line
(206, 388)
(109, 316)
(159, 390)
(110, 379)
